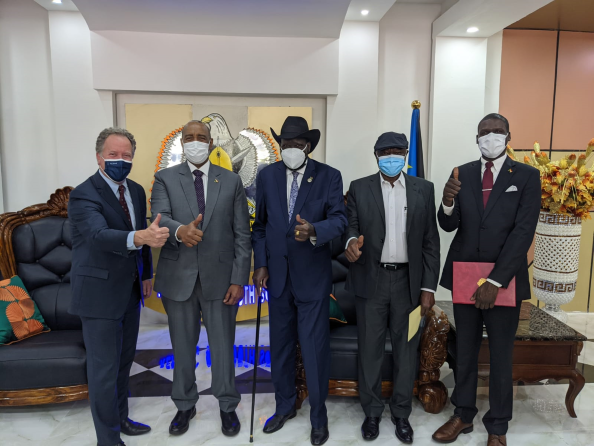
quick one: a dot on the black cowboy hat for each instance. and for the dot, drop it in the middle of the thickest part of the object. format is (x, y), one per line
(296, 127)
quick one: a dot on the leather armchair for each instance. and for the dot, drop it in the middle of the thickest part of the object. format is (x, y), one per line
(35, 244)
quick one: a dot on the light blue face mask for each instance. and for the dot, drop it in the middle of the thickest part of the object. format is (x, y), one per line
(391, 165)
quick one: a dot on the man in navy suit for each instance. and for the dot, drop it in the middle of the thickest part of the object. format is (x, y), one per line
(111, 273)
(299, 210)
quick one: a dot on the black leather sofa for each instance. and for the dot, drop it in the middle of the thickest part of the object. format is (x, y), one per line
(35, 244)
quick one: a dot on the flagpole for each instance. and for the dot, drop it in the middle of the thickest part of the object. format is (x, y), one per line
(256, 361)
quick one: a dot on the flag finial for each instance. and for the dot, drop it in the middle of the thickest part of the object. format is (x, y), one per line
(416, 104)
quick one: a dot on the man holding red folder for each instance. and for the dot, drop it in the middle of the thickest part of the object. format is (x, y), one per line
(494, 205)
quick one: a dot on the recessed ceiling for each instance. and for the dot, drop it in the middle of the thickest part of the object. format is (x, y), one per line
(263, 18)
(66, 5)
(567, 15)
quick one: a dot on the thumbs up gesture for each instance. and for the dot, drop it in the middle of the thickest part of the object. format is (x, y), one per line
(189, 234)
(304, 230)
(154, 235)
(452, 188)
(353, 251)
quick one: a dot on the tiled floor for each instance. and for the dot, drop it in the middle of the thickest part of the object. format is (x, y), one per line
(540, 417)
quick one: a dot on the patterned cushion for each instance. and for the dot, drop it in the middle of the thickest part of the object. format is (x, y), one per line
(335, 311)
(19, 316)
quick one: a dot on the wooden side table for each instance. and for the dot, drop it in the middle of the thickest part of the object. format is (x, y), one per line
(545, 348)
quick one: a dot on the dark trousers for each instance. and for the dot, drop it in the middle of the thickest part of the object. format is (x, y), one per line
(308, 322)
(111, 346)
(501, 324)
(389, 308)
(184, 329)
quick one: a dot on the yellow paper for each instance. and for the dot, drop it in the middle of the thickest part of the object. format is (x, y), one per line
(414, 322)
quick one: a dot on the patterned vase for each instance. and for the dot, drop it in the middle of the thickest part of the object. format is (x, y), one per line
(556, 258)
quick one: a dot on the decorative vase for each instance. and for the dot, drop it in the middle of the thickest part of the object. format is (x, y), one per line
(556, 258)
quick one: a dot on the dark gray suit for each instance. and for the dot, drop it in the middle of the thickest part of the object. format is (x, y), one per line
(385, 298)
(194, 281)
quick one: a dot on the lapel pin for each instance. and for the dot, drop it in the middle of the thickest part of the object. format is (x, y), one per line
(310, 179)
(510, 171)
(216, 181)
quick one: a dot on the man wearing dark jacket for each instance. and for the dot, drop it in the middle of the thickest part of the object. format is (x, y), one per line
(111, 274)
(493, 203)
(393, 244)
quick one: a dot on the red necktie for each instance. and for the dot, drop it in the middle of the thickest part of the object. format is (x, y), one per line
(123, 203)
(487, 182)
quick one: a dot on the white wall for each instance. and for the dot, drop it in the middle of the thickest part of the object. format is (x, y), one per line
(140, 61)
(81, 112)
(458, 104)
(351, 124)
(405, 67)
(27, 136)
(493, 74)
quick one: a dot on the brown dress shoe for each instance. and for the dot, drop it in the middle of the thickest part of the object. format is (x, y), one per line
(448, 433)
(497, 440)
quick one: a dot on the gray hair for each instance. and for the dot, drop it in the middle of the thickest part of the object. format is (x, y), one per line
(113, 131)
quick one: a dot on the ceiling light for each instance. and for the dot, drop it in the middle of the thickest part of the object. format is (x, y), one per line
(365, 12)
(472, 29)
(57, 1)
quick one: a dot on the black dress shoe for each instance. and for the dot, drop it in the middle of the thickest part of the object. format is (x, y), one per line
(132, 428)
(370, 428)
(319, 436)
(276, 422)
(231, 424)
(181, 421)
(404, 431)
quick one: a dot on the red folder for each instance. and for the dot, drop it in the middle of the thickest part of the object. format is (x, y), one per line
(466, 278)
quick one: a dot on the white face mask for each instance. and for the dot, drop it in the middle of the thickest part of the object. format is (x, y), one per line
(293, 158)
(492, 145)
(196, 152)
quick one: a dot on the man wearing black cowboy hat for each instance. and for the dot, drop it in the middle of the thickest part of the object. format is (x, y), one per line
(299, 209)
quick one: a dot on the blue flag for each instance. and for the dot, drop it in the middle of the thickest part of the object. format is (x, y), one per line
(415, 155)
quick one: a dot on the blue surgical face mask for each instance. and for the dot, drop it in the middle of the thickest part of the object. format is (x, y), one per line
(117, 170)
(391, 165)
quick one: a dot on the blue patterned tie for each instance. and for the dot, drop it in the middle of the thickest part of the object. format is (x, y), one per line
(294, 192)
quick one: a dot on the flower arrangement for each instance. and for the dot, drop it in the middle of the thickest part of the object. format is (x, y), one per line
(567, 185)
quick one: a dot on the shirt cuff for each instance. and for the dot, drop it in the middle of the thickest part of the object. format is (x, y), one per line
(448, 210)
(428, 290)
(497, 284)
(313, 240)
(130, 242)
(349, 241)
(176, 233)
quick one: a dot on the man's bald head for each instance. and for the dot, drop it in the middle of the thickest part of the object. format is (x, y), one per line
(194, 125)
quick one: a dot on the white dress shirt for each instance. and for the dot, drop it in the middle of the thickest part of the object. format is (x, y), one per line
(496, 168)
(204, 169)
(114, 187)
(395, 249)
(290, 177)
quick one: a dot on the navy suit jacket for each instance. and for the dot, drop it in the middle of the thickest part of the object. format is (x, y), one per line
(502, 232)
(320, 201)
(103, 270)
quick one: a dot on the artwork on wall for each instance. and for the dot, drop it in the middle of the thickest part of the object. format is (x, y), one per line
(245, 154)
